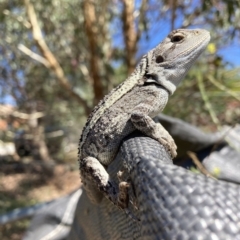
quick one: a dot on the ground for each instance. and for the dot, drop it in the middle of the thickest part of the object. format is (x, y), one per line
(26, 189)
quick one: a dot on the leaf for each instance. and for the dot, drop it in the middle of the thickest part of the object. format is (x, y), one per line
(211, 48)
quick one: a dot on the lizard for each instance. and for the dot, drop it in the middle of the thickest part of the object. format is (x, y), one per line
(131, 106)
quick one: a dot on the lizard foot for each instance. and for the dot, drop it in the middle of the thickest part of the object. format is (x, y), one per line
(154, 130)
(166, 140)
(123, 197)
(94, 174)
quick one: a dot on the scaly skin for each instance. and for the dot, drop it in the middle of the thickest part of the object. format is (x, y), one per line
(131, 106)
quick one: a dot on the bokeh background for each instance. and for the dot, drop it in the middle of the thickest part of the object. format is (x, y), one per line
(58, 58)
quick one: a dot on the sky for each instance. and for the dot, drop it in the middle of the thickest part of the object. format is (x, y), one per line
(160, 29)
(157, 32)
(231, 54)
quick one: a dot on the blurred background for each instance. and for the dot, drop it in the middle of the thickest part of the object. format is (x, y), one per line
(58, 58)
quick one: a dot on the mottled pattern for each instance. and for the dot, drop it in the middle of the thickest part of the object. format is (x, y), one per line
(116, 123)
(131, 106)
(111, 98)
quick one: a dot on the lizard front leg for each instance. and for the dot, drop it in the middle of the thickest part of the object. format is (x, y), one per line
(145, 124)
(94, 174)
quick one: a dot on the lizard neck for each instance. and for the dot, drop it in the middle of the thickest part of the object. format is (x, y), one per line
(161, 75)
(168, 85)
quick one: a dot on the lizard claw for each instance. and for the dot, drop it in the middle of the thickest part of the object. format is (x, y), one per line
(166, 140)
(170, 146)
(123, 197)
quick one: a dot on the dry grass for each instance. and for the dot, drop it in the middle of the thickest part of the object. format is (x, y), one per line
(22, 190)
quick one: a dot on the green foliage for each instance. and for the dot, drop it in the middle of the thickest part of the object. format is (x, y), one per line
(213, 92)
(35, 87)
(209, 97)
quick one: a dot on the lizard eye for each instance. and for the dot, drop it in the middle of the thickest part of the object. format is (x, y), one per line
(159, 59)
(177, 38)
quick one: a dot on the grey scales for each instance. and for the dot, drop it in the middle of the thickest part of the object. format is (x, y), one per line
(131, 106)
(170, 202)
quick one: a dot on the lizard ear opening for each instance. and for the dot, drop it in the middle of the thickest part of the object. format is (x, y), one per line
(159, 59)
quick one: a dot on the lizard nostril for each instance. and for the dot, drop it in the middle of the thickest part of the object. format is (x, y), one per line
(159, 59)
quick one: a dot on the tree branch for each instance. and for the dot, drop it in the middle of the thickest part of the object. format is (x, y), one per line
(92, 33)
(33, 55)
(173, 6)
(130, 35)
(27, 116)
(142, 19)
(48, 55)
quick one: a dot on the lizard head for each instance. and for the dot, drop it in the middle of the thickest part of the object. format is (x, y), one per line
(169, 62)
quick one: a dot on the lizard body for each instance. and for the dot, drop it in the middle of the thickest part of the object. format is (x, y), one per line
(131, 106)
